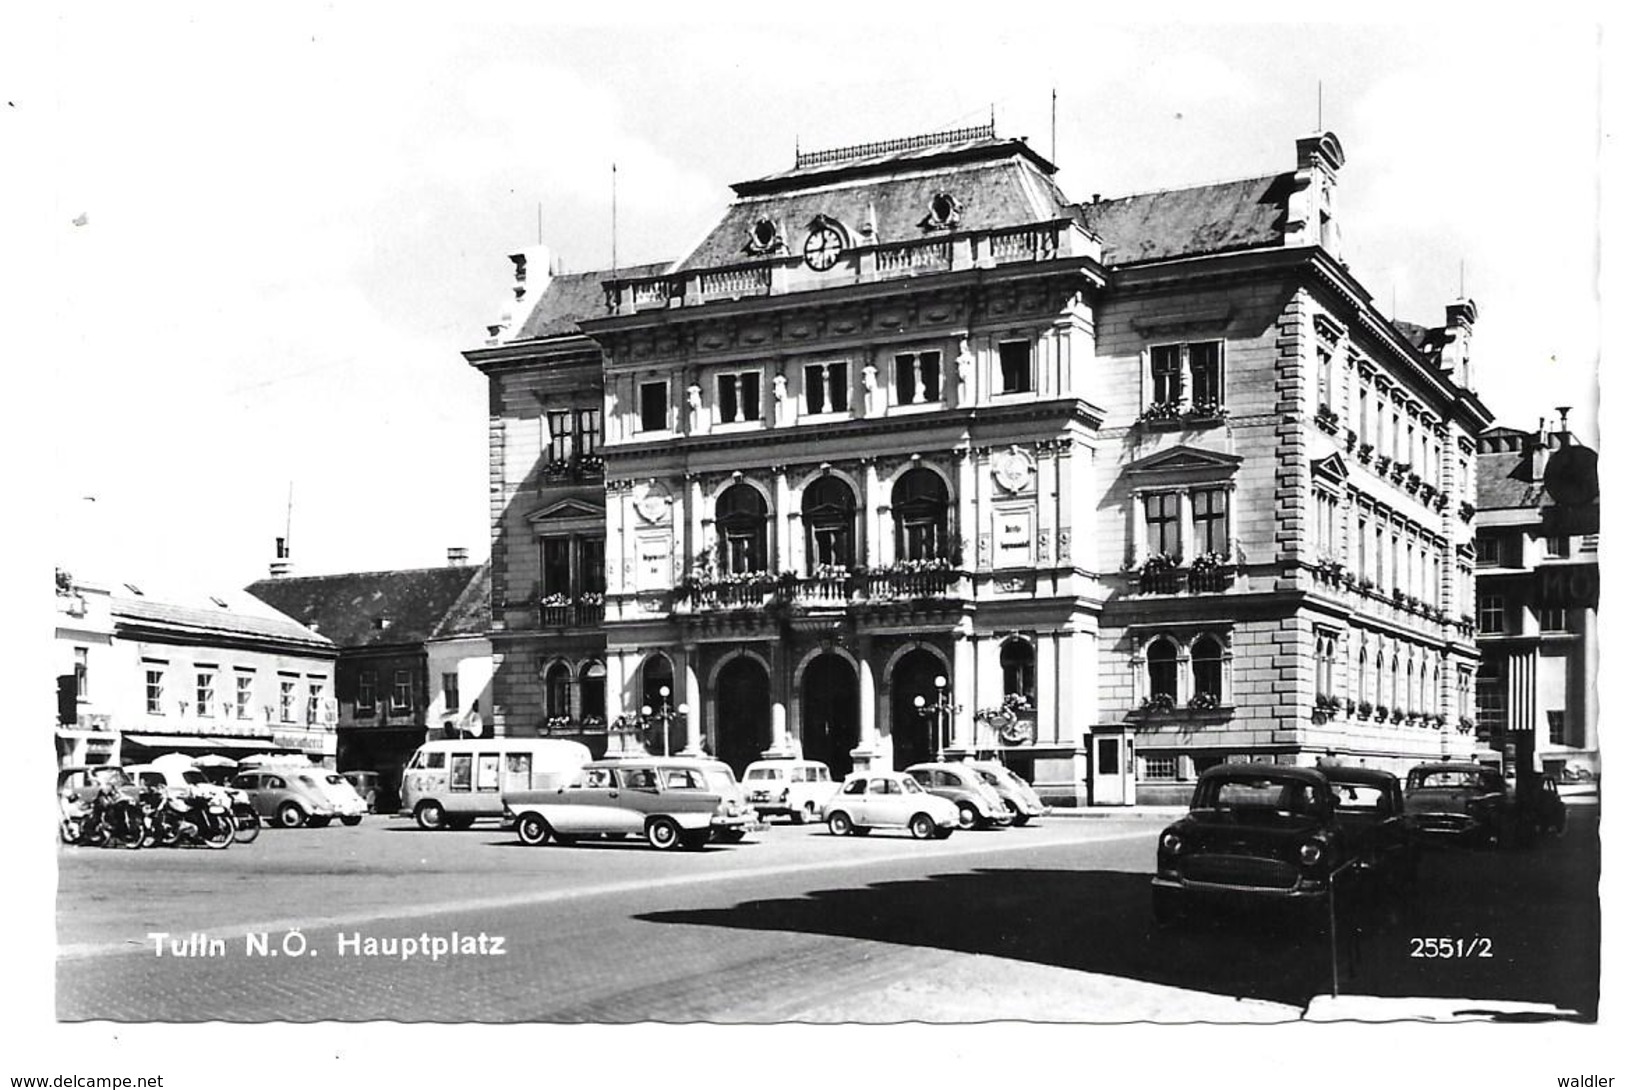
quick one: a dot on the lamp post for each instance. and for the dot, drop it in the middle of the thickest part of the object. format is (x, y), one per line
(938, 711)
(665, 713)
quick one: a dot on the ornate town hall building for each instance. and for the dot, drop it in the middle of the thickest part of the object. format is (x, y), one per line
(911, 454)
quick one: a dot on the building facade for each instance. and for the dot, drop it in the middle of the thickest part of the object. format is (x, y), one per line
(1536, 559)
(144, 672)
(912, 455)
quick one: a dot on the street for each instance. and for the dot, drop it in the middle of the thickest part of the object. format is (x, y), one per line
(1048, 923)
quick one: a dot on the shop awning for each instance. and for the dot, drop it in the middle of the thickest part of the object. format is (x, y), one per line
(197, 743)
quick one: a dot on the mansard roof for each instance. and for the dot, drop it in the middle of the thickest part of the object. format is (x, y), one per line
(570, 297)
(348, 607)
(1205, 219)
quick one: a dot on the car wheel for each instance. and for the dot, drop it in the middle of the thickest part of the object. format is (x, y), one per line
(532, 830)
(290, 815)
(430, 816)
(460, 822)
(695, 840)
(1021, 819)
(351, 819)
(807, 813)
(664, 834)
(840, 824)
(944, 832)
(968, 817)
(921, 827)
(860, 830)
(728, 836)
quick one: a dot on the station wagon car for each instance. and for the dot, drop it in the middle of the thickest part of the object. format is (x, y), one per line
(976, 803)
(665, 800)
(875, 799)
(1256, 833)
(797, 789)
(1458, 801)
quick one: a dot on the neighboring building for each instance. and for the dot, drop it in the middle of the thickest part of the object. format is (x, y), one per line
(152, 672)
(384, 625)
(1536, 556)
(1147, 483)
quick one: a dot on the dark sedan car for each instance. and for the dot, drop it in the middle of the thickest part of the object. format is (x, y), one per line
(1460, 802)
(1369, 807)
(1256, 833)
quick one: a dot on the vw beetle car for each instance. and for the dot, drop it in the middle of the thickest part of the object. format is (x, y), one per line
(289, 795)
(976, 803)
(1016, 793)
(877, 799)
(1255, 834)
(665, 800)
(795, 788)
(1458, 801)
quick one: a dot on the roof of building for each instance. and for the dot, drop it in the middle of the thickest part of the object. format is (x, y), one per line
(1205, 219)
(1506, 470)
(570, 297)
(371, 609)
(470, 614)
(233, 614)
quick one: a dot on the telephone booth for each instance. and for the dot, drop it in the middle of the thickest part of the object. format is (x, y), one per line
(1111, 766)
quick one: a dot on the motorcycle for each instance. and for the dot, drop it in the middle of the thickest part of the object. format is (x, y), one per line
(109, 820)
(247, 818)
(173, 821)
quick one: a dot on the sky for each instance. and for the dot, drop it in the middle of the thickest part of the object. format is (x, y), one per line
(279, 229)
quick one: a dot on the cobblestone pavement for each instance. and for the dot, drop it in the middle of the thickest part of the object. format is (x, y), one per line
(1047, 923)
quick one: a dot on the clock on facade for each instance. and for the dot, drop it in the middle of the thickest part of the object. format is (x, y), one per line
(1012, 469)
(823, 247)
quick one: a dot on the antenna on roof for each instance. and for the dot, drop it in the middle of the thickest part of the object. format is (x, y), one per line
(990, 119)
(614, 256)
(1052, 124)
(1320, 105)
(287, 528)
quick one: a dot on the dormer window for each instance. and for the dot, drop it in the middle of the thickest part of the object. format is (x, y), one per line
(942, 214)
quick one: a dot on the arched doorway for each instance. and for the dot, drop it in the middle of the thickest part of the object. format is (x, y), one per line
(911, 733)
(829, 713)
(744, 723)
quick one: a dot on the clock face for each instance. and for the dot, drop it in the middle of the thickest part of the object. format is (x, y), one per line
(823, 248)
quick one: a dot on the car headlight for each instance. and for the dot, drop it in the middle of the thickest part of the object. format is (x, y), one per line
(1310, 854)
(1172, 844)
(784, 796)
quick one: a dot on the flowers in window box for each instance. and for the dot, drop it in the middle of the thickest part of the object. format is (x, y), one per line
(559, 722)
(1206, 408)
(1367, 583)
(557, 467)
(555, 600)
(1203, 702)
(1381, 711)
(1159, 562)
(1348, 706)
(1365, 452)
(1350, 439)
(928, 564)
(1401, 468)
(1326, 418)
(1382, 463)
(1466, 725)
(1467, 511)
(1158, 702)
(590, 463)
(591, 598)
(1413, 481)
(592, 722)
(1206, 562)
(830, 571)
(1161, 410)
(1326, 702)
(1364, 709)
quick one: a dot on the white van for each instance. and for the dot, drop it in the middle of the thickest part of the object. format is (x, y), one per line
(795, 788)
(447, 785)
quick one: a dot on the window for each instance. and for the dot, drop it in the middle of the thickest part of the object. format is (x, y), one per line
(555, 566)
(657, 675)
(155, 690)
(1557, 548)
(1160, 768)
(1207, 667)
(81, 672)
(400, 696)
(448, 689)
(313, 703)
(1165, 374)
(462, 771)
(1326, 522)
(1016, 662)
(1492, 614)
(591, 553)
(1015, 367)
(1362, 568)
(1162, 523)
(1488, 547)
(652, 409)
(589, 429)
(366, 692)
(829, 511)
(918, 377)
(920, 515)
(285, 704)
(739, 397)
(1365, 413)
(825, 386)
(561, 436)
(592, 691)
(742, 529)
(205, 692)
(1323, 376)
(1325, 658)
(1492, 695)
(1207, 387)
(245, 695)
(558, 691)
(1363, 692)
(1553, 618)
(1162, 668)
(1554, 729)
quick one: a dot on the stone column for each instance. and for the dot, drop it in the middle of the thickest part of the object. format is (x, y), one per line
(1187, 526)
(778, 685)
(989, 683)
(696, 520)
(614, 545)
(1044, 554)
(1045, 687)
(785, 547)
(871, 515)
(1136, 529)
(964, 683)
(965, 487)
(868, 730)
(1232, 534)
(694, 728)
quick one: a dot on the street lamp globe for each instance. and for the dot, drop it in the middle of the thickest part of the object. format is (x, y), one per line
(940, 682)
(919, 701)
(646, 710)
(682, 709)
(665, 691)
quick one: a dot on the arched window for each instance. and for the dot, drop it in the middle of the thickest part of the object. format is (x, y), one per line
(558, 691)
(1393, 682)
(742, 530)
(1364, 693)
(1162, 668)
(657, 675)
(1207, 667)
(1410, 686)
(592, 690)
(829, 511)
(1377, 682)
(919, 505)
(1016, 660)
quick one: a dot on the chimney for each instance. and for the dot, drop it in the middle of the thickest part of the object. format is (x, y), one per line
(282, 566)
(1538, 448)
(1311, 206)
(532, 270)
(1456, 353)
(456, 556)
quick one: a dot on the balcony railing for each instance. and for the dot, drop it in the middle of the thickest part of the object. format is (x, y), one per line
(570, 615)
(827, 589)
(1192, 580)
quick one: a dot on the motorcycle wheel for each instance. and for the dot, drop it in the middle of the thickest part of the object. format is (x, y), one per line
(217, 831)
(128, 830)
(69, 831)
(248, 827)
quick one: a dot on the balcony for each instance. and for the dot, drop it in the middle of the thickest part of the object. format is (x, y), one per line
(577, 468)
(828, 589)
(1203, 578)
(584, 612)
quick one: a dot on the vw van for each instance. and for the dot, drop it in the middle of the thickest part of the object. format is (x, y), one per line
(452, 784)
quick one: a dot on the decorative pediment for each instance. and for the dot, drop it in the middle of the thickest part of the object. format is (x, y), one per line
(1331, 469)
(565, 514)
(1183, 462)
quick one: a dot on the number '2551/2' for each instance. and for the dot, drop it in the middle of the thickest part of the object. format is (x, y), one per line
(1479, 946)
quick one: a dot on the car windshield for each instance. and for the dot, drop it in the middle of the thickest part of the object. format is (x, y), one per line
(1262, 793)
(1446, 777)
(987, 777)
(193, 776)
(720, 776)
(763, 773)
(909, 786)
(1358, 796)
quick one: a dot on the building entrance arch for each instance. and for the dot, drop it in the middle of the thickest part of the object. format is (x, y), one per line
(829, 713)
(911, 733)
(744, 723)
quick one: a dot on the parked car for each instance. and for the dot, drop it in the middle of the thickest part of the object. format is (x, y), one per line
(877, 799)
(1549, 813)
(1459, 801)
(347, 802)
(1369, 807)
(1255, 834)
(667, 800)
(290, 795)
(977, 803)
(1016, 793)
(795, 788)
(740, 817)
(83, 783)
(366, 785)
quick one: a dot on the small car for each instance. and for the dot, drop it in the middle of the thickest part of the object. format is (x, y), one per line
(666, 800)
(1017, 794)
(1255, 834)
(878, 799)
(366, 785)
(1458, 801)
(1548, 812)
(977, 803)
(291, 795)
(347, 802)
(795, 788)
(1369, 807)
